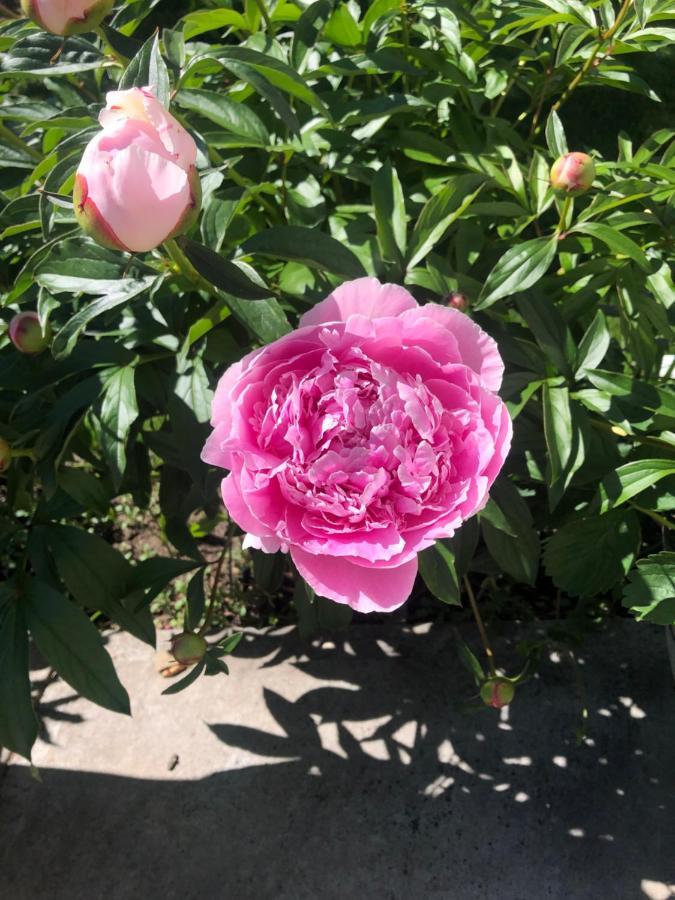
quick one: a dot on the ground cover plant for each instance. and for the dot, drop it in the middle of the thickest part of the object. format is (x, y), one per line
(509, 161)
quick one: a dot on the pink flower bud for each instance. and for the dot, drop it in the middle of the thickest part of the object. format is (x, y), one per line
(497, 692)
(137, 185)
(572, 174)
(457, 301)
(26, 333)
(67, 16)
(188, 648)
(5, 455)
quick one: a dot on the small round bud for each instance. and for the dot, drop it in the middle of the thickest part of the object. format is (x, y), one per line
(457, 301)
(5, 455)
(497, 692)
(572, 174)
(188, 648)
(26, 333)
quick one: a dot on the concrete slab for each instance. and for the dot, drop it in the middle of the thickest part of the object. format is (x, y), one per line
(348, 770)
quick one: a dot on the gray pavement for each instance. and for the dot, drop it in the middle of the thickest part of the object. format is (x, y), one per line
(348, 770)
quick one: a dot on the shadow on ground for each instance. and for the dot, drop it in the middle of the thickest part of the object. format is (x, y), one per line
(371, 783)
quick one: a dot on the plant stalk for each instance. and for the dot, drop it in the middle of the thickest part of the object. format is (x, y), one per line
(481, 628)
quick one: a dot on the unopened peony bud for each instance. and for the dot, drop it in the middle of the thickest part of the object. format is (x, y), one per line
(26, 333)
(572, 174)
(67, 17)
(497, 692)
(188, 648)
(457, 301)
(5, 455)
(137, 185)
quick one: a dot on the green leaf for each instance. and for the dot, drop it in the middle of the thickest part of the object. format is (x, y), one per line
(587, 556)
(555, 135)
(268, 570)
(310, 246)
(114, 293)
(437, 568)
(492, 513)
(550, 332)
(594, 345)
(196, 601)
(520, 268)
(230, 643)
(18, 723)
(390, 217)
(615, 240)
(564, 435)
(84, 487)
(316, 614)
(307, 30)
(342, 29)
(125, 46)
(631, 479)
(470, 661)
(650, 592)
(439, 213)
(119, 410)
(196, 23)
(236, 118)
(148, 69)
(276, 72)
(517, 552)
(222, 273)
(192, 387)
(36, 54)
(189, 679)
(73, 646)
(634, 391)
(97, 576)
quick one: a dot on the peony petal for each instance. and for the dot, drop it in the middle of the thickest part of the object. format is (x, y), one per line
(141, 105)
(364, 589)
(363, 296)
(56, 14)
(476, 348)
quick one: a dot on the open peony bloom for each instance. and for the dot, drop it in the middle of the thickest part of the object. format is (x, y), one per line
(137, 185)
(360, 438)
(67, 17)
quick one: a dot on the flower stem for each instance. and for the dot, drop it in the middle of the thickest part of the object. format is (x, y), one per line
(481, 627)
(214, 587)
(590, 62)
(265, 15)
(563, 215)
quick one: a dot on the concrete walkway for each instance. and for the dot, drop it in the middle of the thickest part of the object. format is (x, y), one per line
(348, 771)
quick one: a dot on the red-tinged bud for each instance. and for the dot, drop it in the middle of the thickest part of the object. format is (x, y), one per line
(497, 692)
(27, 335)
(5, 455)
(66, 17)
(457, 301)
(188, 648)
(572, 174)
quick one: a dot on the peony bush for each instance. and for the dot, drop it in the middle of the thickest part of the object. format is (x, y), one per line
(395, 278)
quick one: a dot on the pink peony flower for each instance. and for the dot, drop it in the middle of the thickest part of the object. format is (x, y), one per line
(360, 438)
(67, 17)
(137, 185)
